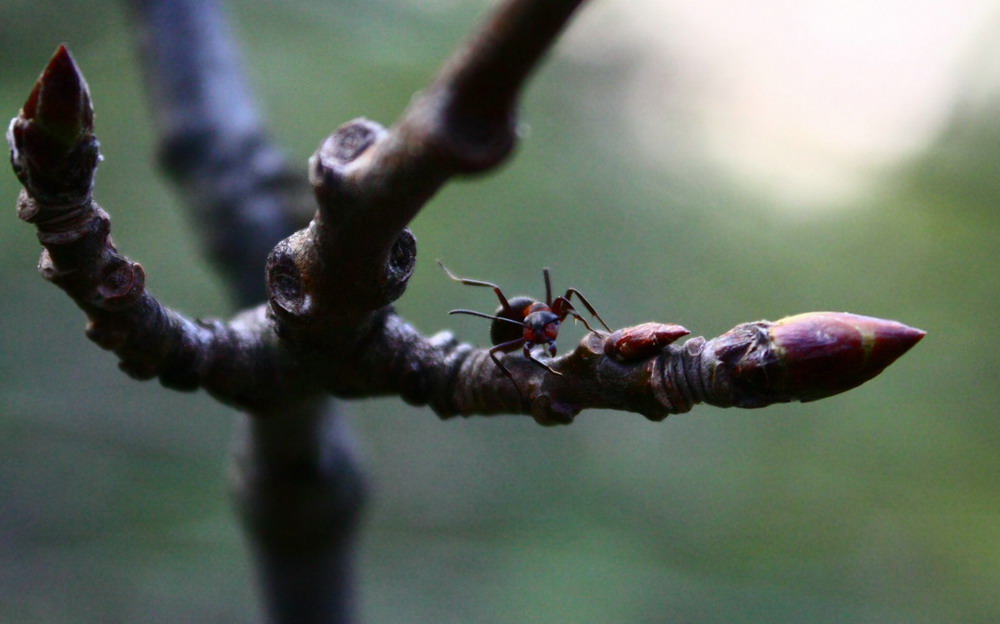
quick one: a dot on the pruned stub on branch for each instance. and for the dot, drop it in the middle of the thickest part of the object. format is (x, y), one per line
(328, 326)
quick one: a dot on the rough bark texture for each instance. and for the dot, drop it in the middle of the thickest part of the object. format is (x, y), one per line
(328, 328)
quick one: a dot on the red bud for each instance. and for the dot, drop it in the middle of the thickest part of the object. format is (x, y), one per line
(60, 102)
(637, 343)
(810, 356)
(52, 143)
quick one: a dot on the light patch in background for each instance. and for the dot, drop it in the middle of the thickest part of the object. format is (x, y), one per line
(807, 101)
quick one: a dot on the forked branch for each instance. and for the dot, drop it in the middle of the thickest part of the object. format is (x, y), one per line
(328, 328)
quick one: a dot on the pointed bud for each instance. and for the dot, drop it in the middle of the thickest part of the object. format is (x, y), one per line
(60, 102)
(53, 149)
(810, 356)
(633, 344)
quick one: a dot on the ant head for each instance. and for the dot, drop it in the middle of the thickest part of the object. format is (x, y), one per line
(542, 327)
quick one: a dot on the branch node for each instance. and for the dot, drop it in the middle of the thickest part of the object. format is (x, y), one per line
(122, 285)
(402, 259)
(675, 379)
(549, 413)
(287, 288)
(468, 134)
(328, 166)
(444, 340)
(107, 336)
(141, 371)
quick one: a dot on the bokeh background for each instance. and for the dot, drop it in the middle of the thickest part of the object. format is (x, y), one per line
(703, 163)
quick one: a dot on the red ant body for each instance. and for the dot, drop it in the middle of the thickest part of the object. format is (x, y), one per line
(527, 322)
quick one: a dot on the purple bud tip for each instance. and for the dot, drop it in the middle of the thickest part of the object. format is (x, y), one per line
(52, 146)
(807, 356)
(824, 353)
(60, 102)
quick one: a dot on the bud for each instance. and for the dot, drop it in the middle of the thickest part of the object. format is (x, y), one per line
(633, 344)
(809, 356)
(53, 149)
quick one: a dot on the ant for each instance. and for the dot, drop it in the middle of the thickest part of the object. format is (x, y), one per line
(526, 321)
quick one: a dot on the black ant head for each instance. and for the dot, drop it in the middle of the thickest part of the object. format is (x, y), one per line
(542, 327)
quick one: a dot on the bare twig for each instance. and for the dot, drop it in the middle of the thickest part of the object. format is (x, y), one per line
(798, 358)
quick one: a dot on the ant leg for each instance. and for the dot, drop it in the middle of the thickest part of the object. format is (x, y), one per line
(506, 371)
(492, 317)
(527, 354)
(572, 291)
(548, 287)
(577, 317)
(472, 282)
(562, 308)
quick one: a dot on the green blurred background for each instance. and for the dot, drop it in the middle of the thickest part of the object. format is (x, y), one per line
(880, 505)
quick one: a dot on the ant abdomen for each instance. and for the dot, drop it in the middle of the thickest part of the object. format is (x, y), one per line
(500, 331)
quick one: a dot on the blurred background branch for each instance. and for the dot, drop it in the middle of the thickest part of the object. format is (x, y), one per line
(243, 195)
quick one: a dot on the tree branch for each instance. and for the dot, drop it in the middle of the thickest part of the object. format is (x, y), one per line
(799, 358)
(293, 472)
(315, 340)
(300, 494)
